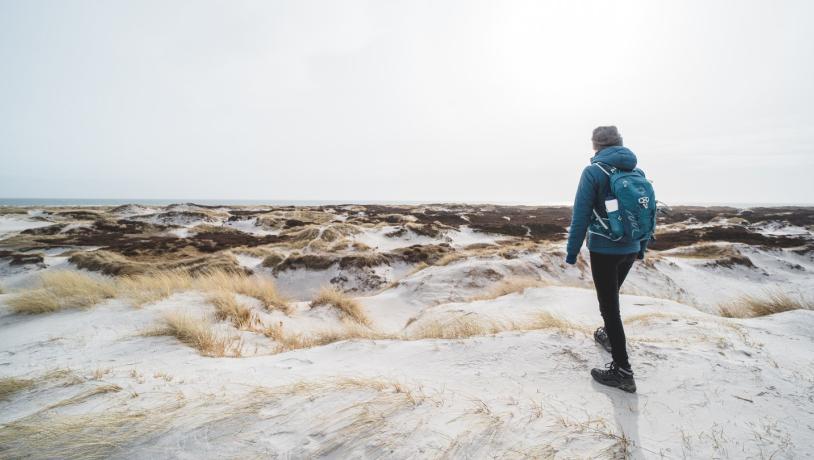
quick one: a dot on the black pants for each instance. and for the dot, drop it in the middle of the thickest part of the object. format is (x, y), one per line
(609, 272)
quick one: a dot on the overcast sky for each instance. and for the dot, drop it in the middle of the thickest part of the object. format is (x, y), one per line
(403, 100)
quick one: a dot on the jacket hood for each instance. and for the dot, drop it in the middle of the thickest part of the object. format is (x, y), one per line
(617, 156)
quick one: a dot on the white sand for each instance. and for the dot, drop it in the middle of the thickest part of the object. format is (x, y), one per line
(11, 224)
(708, 387)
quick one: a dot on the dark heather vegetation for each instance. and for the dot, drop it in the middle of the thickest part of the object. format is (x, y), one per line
(313, 237)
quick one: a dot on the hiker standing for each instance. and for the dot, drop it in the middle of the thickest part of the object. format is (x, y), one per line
(616, 207)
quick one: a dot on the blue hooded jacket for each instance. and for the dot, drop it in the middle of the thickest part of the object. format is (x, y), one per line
(593, 187)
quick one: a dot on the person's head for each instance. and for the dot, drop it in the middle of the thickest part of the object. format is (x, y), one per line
(606, 136)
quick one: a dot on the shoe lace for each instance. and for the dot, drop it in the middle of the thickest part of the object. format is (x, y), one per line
(613, 367)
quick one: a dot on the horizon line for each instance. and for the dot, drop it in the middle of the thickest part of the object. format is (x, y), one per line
(43, 201)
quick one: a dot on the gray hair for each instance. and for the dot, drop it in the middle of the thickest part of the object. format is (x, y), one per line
(606, 136)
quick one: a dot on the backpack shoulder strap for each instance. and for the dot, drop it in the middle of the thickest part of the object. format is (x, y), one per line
(611, 168)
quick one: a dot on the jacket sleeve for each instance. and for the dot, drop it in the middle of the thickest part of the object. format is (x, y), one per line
(581, 214)
(642, 249)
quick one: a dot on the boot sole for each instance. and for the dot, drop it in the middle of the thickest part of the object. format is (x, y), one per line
(626, 387)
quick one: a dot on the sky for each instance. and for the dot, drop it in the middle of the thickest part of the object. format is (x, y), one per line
(408, 100)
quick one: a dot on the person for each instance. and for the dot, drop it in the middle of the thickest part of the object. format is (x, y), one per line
(610, 260)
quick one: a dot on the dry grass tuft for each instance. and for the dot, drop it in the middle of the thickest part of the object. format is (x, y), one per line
(144, 289)
(650, 318)
(67, 289)
(287, 341)
(10, 385)
(360, 247)
(416, 268)
(338, 232)
(255, 251)
(198, 333)
(99, 373)
(300, 236)
(95, 435)
(261, 288)
(84, 396)
(228, 308)
(63, 289)
(751, 306)
(349, 307)
(61, 377)
(460, 327)
(509, 286)
(546, 320)
(472, 325)
(449, 258)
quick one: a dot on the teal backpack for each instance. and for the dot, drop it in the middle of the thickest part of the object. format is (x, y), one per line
(634, 216)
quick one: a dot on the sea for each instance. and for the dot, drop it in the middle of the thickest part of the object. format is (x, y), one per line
(28, 202)
(48, 202)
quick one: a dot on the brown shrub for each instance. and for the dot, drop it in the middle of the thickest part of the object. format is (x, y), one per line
(209, 228)
(429, 230)
(108, 263)
(706, 251)
(363, 260)
(113, 264)
(480, 246)
(427, 253)
(18, 258)
(306, 261)
(273, 259)
(732, 262)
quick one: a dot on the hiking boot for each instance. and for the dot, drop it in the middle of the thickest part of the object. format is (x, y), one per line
(615, 376)
(601, 337)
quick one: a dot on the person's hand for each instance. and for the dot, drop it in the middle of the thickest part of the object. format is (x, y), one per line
(571, 259)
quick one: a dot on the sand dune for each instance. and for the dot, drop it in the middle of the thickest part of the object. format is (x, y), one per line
(441, 331)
